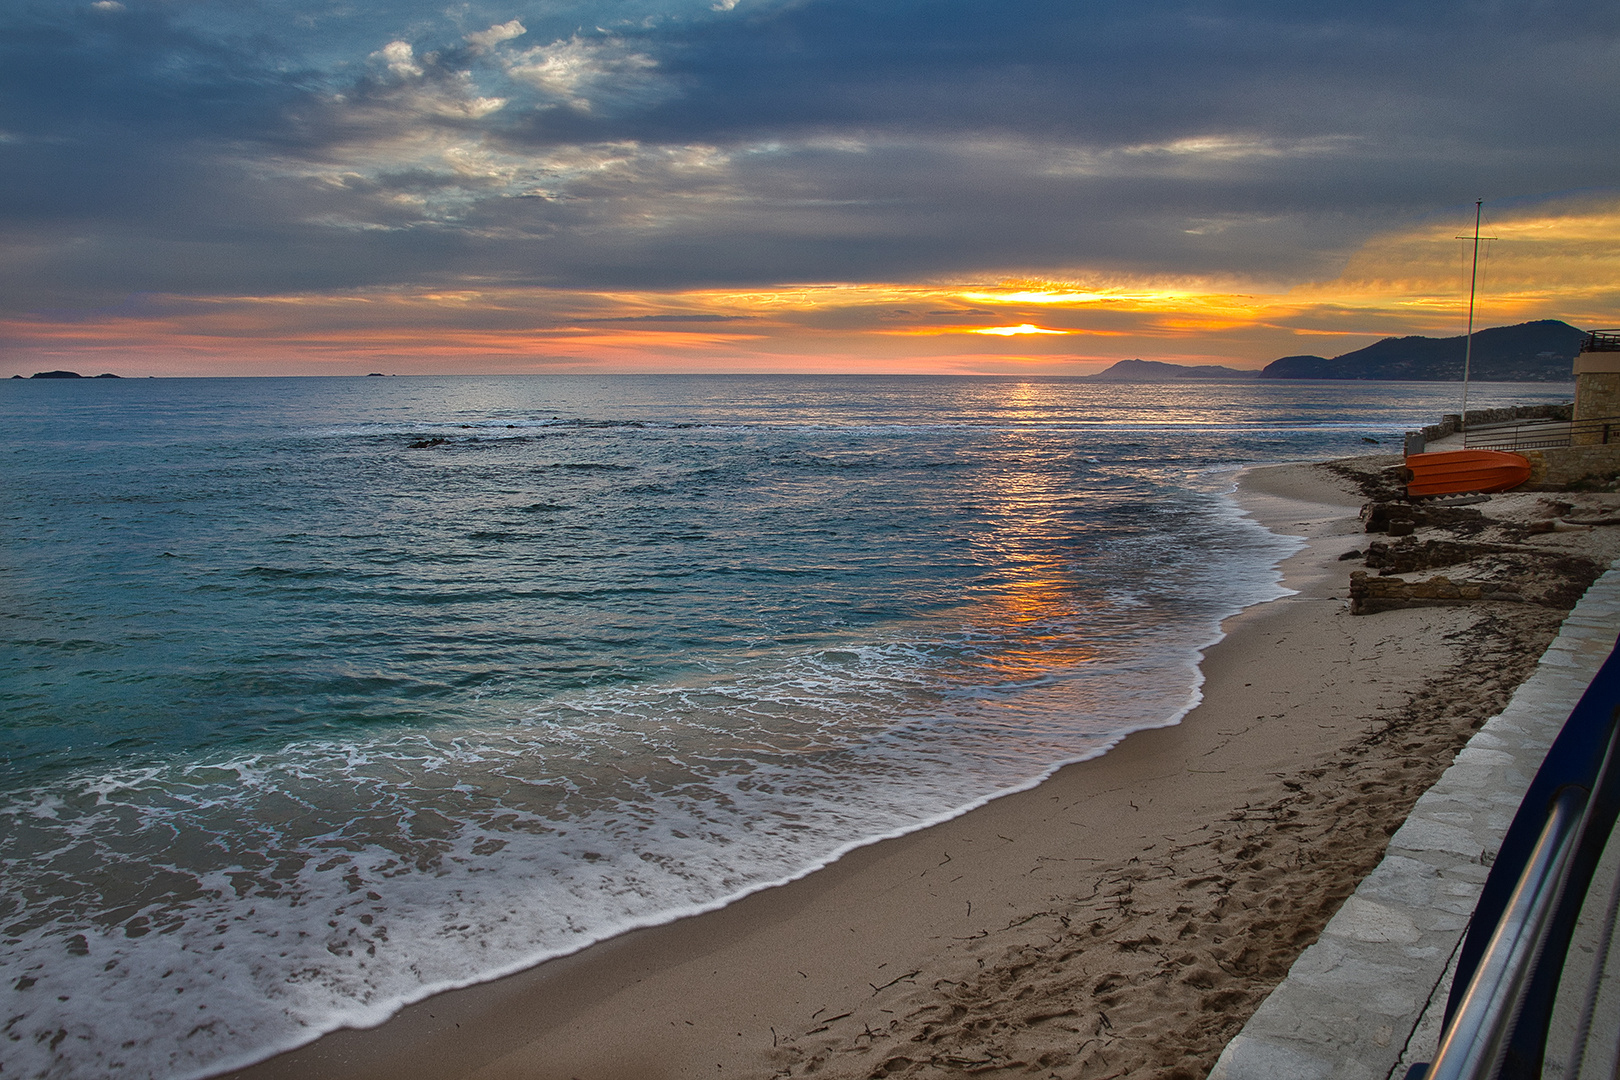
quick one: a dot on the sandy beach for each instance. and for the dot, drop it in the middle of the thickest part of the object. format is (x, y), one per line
(1122, 919)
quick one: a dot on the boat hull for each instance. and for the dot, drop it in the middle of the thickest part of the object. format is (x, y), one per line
(1456, 472)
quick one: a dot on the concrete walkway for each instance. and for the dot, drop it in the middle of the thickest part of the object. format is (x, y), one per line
(1367, 999)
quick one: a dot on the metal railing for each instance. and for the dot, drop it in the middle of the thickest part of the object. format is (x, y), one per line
(1602, 341)
(1476, 1040)
(1541, 434)
(1513, 957)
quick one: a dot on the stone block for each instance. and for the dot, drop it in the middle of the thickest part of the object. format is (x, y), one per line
(1258, 1059)
(1366, 920)
(1421, 835)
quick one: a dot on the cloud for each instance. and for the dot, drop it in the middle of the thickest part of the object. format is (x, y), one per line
(689, 318)
(290, 145)
(400, 59)
(485, 40)
(581, 73)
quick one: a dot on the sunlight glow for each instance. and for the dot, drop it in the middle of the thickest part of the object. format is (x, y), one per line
(1009, 331)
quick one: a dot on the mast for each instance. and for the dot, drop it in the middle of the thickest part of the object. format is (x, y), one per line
(1473, 277)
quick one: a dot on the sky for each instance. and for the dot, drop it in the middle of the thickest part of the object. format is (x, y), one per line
(265, 187)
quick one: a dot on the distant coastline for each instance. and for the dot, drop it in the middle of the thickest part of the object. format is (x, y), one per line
(1541, 351)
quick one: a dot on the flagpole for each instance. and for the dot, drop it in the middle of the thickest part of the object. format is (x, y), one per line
(1468, 350)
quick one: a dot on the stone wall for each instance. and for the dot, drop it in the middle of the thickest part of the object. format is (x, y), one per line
(1597, 385)
(1560, 468)
(1451, 423)
(1369, 594)
(1407, 556)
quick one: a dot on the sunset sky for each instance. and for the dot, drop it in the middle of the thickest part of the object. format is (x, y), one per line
(322, 186)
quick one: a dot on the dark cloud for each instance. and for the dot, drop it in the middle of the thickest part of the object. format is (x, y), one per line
(82, 71)
(293, 146)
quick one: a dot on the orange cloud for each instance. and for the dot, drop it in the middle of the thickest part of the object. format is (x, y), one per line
(1552, 259)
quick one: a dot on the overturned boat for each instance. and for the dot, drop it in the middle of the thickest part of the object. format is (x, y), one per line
(1459, 472)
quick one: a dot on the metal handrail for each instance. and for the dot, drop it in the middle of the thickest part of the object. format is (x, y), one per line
(1543, 434)
(1602, 341)
(1512, 959)
(1477, 1036)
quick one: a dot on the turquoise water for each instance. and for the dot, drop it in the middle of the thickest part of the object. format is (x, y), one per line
(301, 721)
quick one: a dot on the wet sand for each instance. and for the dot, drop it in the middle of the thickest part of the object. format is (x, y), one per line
(1122, 919)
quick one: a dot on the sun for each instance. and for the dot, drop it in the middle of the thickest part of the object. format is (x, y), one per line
(1009, 331)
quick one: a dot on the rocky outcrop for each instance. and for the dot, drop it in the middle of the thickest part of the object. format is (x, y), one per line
(1512, 547)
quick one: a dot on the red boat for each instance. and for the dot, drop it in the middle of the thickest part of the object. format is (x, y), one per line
(1455, 472)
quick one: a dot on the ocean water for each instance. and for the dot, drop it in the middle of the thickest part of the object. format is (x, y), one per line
(321, 695)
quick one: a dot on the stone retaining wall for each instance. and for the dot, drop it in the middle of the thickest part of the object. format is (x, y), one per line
(1406, 556)
(1370, 594)
(1560, 468)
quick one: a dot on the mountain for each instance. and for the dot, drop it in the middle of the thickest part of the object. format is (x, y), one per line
(1156, 371)
(1540, 351)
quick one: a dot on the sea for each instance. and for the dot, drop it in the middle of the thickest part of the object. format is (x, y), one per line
(322, 695)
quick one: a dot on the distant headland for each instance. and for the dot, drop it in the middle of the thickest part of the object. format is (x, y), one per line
(1541, 351)
(1152, 371)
